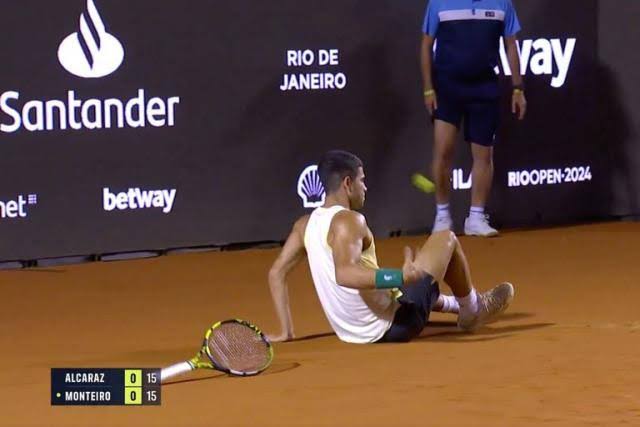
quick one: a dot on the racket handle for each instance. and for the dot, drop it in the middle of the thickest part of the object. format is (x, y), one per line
(175, 370)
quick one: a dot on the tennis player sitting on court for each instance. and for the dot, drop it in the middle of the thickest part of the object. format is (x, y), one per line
(363, 303)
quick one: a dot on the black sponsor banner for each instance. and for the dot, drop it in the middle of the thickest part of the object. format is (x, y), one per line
(139, 125)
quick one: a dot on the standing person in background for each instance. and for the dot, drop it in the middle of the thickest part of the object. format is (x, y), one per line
(460, 84)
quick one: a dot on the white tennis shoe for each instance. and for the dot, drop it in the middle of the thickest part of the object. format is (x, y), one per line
(479, 226)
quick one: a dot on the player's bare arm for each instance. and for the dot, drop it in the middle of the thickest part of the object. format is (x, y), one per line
(292, 253)
(348, 236)
(518, 100)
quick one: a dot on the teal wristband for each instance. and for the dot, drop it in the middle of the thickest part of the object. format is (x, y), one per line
(387, 278)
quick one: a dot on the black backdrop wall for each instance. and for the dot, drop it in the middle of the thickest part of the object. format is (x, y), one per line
(619, 98)
(146, 125)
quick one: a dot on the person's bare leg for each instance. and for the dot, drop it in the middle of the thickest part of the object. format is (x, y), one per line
(443, 258)
(476, 223)
(445, 137)
(482, 174)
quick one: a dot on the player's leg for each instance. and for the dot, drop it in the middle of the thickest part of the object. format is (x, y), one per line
(419, 299)
(441, 253)
(481, 122)
(445, 131)
(482, 174)
(443, 258)
(447, 118)
(443, 151)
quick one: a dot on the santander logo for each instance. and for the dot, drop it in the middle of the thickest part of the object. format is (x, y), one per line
(91, 52)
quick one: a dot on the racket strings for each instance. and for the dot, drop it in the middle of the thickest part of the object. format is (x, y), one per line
(238, 347)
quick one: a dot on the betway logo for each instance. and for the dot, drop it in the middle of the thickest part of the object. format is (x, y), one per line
(542, 57)
(17, 208)
(135, 198)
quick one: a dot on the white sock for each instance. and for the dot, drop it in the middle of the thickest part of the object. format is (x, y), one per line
(469, 304)
(448, 304)
(442, 210)
(476, 212)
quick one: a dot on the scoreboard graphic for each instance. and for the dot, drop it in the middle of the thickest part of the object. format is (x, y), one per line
(105, 387)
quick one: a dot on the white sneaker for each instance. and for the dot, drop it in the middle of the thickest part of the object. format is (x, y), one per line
(442, 223)
(490, 305)
(479, 226)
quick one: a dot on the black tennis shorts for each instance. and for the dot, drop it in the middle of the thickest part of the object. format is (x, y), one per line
(415, 306)
(476, 103)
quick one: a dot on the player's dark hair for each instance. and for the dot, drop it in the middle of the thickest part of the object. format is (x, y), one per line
(334, 166)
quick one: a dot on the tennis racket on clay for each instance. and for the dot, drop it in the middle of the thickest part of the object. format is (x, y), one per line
(234, 346)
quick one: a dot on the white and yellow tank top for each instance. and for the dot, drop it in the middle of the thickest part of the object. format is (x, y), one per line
(357, 316)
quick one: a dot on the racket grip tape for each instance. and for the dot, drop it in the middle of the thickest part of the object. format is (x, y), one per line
(175, 370)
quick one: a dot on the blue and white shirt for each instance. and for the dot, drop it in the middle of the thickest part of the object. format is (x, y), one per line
(467, 34)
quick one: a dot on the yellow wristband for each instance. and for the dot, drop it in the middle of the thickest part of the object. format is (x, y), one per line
(429, 92)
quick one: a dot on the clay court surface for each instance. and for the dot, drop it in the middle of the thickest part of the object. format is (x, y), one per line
(567, 353)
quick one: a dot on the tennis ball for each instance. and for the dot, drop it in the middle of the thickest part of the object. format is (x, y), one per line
(422, 183)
